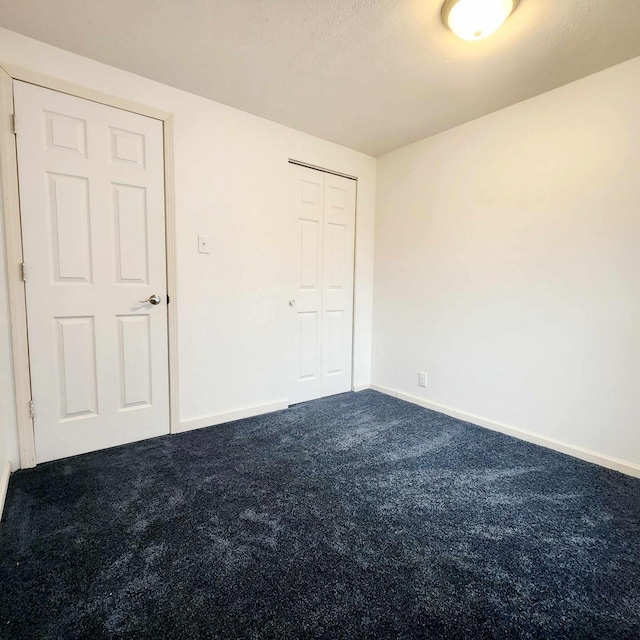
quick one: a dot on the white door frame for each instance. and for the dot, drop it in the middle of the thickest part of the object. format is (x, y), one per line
(13, 243)
(301, 163)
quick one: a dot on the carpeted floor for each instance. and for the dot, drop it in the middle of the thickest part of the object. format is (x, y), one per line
(357, 516)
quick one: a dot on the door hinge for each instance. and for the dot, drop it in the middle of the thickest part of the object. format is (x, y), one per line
(168, 299)
(23, 271)
(32, 410)
(13, 124)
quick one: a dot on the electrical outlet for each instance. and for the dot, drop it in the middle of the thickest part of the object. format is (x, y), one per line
(422, 379)
(203, 244)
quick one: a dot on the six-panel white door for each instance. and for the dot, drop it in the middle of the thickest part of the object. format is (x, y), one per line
(324, 207)
(92, 206)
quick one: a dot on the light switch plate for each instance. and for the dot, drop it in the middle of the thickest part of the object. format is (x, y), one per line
(203, 244)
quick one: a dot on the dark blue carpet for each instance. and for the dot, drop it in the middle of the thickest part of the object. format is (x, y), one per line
(357, 516)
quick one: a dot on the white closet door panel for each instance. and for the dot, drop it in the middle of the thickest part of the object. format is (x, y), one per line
(92, 207)
(307, 193)
(337, 299)
(324, 217)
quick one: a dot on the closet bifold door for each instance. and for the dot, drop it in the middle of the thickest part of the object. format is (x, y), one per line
(323, 215)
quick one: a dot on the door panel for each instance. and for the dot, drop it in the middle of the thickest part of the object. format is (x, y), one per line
(70, 225)
(337, 299)
(309, 250)
(324, 213)
(336, 256)
(128, 147)
(131, 238)
(65, 133)
(309, 362)
(335, 342)
(306, 363)
(135, 361)
(76, 367)
(92, 207)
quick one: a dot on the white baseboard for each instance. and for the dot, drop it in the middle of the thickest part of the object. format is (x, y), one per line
(230, 416)
(386, 390)
(360, 387)
(628, 468)
(4, 485)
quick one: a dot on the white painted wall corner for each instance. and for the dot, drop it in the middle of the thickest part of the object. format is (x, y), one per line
(4, 485)
(601, 459)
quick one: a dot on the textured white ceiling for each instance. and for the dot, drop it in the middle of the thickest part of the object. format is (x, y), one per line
(373, 75)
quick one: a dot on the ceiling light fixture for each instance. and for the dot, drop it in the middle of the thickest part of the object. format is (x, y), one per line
(476, 19)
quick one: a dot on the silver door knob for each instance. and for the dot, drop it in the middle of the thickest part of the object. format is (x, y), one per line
(292, 303)
(154, 299)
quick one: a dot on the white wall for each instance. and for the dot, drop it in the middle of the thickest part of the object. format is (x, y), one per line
(231, 180)
(508, 265)
(507, 256)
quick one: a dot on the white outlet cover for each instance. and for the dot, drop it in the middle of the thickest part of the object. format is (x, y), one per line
(203, 244)
(422, 379)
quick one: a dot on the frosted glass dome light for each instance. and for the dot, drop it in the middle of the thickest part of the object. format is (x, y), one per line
(476, 19)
